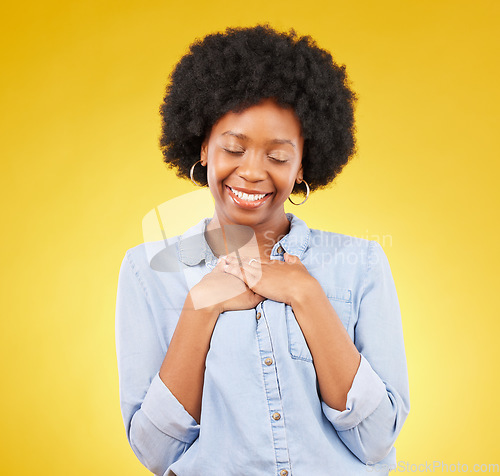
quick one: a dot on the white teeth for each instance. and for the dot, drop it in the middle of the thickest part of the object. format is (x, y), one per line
(246, 196)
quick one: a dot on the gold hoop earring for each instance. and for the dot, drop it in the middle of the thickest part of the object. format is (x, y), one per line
(191, 174)
(307, 195)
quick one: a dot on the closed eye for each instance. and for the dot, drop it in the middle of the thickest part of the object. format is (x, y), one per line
(275, 159)
(234, 152)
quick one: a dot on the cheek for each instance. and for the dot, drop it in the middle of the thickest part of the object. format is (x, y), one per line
(285, 182)
(218, 170)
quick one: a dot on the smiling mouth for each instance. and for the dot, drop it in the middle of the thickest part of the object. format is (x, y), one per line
(247, 200)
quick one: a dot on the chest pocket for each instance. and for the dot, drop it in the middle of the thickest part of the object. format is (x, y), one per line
(340, 299)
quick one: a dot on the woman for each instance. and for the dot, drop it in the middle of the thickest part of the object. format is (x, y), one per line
(271, 348)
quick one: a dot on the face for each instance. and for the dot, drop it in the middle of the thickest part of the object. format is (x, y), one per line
(254, 159)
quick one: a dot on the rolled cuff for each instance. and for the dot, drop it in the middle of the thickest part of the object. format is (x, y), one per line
(167, 413)
(365, 395)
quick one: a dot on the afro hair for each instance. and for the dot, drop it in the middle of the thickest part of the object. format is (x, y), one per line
(238, 68)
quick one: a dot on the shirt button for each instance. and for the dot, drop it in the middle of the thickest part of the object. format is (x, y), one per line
(276, 416)
(279, 249)
(268, 361)
(283, 472)
(258, 316)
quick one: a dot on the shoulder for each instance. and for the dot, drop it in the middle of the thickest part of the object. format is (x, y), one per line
(164, 259)
(357, 249)
(331, 247)
(154, 267)
(159, 255)
(341, 250)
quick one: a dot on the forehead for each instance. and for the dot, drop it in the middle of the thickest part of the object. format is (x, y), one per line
(266, 120)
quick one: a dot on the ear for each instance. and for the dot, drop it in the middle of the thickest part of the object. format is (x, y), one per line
(204, 152)
(300, 175)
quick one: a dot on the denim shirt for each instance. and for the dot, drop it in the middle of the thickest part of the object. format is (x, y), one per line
(262, 413)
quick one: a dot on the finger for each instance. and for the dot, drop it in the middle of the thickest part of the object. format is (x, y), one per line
(234, 269)
(254, 263)
(244, 263)
(231, 259)
(245, 272)
(219, 266)
(253, 273)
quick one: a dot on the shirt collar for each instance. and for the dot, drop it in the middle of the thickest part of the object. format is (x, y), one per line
(193, 247)
(296, 241)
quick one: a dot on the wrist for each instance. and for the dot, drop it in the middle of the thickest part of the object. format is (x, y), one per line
(203, 300)
(305, 292)
(206, 314)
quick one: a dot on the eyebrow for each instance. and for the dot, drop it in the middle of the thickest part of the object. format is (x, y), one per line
(272, 141)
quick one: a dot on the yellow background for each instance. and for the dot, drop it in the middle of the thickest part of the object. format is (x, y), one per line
(80, 88)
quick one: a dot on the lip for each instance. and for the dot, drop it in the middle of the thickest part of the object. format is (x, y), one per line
(247, 190)
(246, 204)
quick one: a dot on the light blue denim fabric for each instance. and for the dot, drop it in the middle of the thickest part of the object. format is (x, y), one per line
(238, 434)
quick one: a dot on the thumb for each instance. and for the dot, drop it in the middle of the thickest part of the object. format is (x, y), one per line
(221, 262)
(289, 258)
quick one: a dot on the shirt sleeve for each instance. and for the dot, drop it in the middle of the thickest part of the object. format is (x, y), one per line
(378, 401)
(158, 427)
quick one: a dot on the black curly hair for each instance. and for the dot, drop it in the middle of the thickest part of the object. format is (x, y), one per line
(236, 69)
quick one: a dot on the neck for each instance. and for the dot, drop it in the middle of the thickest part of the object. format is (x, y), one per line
(254, 241)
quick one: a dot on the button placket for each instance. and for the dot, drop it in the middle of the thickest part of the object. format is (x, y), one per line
(272, 390)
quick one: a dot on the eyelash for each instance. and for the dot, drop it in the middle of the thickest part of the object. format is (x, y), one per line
(240, 152)
(234, 152)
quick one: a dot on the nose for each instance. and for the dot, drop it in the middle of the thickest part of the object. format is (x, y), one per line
(252, 168)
